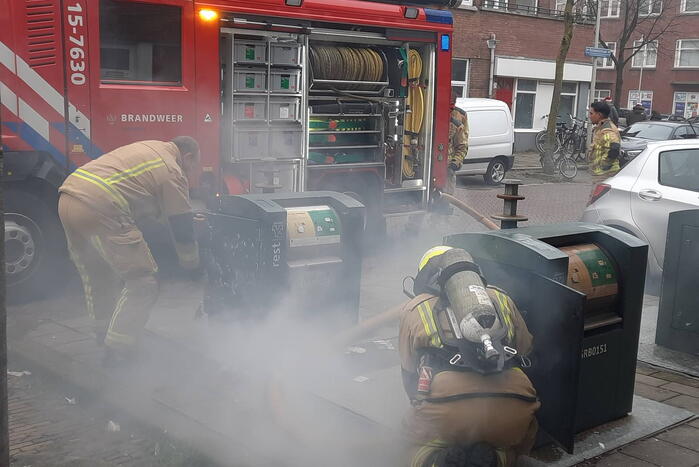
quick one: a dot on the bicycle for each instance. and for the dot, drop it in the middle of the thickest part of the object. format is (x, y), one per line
(540, 140)
(575, 140)
(563, 164)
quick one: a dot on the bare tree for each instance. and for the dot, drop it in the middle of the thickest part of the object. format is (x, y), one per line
(568, 19)
(643, 23)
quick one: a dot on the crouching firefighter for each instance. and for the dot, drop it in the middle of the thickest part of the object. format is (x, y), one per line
(462, 347)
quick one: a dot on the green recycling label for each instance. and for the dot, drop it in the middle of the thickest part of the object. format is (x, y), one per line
(285, 82)
(599, 266)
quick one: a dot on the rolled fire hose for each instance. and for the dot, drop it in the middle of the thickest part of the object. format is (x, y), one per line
(413, 119)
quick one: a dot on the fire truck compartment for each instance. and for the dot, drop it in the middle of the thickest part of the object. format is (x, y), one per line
(350, 101)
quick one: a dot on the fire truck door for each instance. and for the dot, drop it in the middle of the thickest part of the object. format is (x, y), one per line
(142, 71)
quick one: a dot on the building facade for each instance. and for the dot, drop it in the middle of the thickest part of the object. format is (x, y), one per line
(507, 51)
(664, 74)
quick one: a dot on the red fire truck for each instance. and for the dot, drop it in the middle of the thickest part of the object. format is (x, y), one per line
(285, 95)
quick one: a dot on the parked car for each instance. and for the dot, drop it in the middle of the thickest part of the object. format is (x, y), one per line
(635, 138)
(638, 199)
(490, 140)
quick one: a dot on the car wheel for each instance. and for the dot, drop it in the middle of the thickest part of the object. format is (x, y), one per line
(496, 172)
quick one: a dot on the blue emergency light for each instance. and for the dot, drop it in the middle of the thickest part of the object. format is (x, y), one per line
(445, 42)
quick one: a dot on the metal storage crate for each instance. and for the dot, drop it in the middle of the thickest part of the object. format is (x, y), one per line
(286, 109)
(250, 144)
(285, 143)
(285, 80)
(251, 109)
(250, 52)
(285, 53)
(285, 176)
(249, 80)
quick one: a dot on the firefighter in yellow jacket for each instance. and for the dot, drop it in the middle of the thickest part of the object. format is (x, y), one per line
(606, 142)
(99, 206)
(461, 347)
(458, 143)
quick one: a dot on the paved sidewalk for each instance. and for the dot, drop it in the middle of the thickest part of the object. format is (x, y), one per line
(53, 424)
(676, 447)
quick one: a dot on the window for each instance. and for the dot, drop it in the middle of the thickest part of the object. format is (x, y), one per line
(140, 43)
(459, 77)
(600, 94)
(610, 8)
(690, 6)
(644, 98)
(687, 53)
(560, 5)
(524, 103)
(680, 169)
(686, 104)
(466, 4)
(607, 62)
(647, 54)
(684, 132)
(569, 91)
(650, 7)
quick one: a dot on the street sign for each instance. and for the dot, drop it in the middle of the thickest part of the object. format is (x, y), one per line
(597, 52)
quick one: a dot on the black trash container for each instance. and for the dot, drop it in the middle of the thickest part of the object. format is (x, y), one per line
(581, 289)
(289, 252)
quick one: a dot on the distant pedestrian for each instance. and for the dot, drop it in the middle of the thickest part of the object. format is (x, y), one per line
(655, 115)
(638, 114)
(606, 141)
(613, 112)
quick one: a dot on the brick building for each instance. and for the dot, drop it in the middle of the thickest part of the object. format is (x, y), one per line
(664, 75)
(520, 67)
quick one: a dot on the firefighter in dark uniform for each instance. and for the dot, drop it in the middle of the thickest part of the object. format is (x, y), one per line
(99, 206)
(461, 347)
(458, 143)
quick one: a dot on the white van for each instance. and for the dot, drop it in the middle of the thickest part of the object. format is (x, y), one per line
(491, 139)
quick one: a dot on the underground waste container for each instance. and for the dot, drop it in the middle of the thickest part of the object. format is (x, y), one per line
(678, 312)
(580, 287)
(285, 252)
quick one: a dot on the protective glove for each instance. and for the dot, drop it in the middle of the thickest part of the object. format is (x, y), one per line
(454, 166)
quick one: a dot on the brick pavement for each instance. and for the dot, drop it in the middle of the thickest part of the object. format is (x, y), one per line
(675, 447)
(51, 424)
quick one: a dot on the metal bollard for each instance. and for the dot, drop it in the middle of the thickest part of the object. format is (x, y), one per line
(509, 217)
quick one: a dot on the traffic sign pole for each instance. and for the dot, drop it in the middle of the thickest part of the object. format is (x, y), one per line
(593, 83)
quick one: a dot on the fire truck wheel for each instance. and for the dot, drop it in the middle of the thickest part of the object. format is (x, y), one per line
(35, 253)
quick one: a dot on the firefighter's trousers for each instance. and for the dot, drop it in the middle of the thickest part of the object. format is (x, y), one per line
(116, 268)
(505, 423)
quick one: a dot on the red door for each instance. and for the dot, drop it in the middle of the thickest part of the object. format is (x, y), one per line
(142, 71)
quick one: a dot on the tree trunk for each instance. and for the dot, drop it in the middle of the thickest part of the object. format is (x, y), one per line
(619, 82)
(557, 84)
(4, 428)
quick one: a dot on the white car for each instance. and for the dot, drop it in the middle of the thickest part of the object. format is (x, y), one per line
(490, 139)
(638, 200)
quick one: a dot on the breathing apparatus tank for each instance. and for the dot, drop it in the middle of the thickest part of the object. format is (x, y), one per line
(476, 323)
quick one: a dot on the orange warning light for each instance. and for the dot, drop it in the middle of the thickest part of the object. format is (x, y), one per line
(208, 15)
